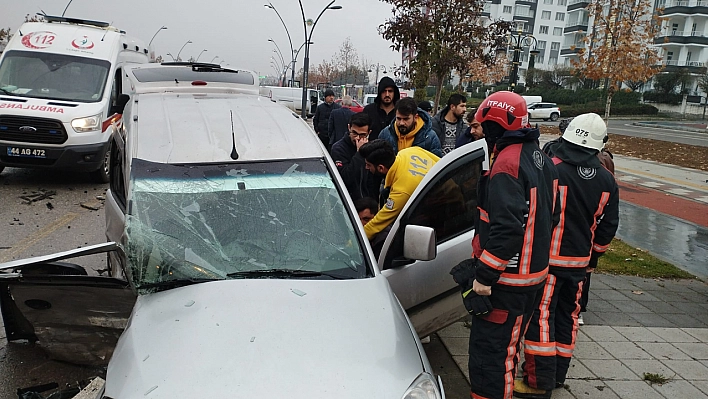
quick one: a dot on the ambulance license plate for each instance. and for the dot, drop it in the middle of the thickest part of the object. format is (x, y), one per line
(26, 152)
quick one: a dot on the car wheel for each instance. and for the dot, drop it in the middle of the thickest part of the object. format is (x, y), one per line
(102, 174)
(554, 116)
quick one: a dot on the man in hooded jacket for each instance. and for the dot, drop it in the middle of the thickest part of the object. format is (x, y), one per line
(381, 111)
(502, 284)
(412, 127)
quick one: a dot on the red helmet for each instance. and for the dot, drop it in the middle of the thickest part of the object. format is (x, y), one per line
(505, 108)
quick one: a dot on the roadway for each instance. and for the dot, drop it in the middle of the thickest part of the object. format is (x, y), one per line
(624, 127)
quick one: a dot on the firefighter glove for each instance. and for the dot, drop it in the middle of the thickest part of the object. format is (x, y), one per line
(476, 305)
(464, 272)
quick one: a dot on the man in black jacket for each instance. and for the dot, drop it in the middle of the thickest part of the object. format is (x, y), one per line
(382, 110)
(321, 120)
(511, 246)
(589, 215)
(350, 164)
(339, 121)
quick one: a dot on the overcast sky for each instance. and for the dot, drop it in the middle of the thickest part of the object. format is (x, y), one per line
(237, 31)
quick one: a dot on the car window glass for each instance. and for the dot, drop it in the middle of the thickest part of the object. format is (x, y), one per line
(448, 204)
(208, 221)
(117, 181)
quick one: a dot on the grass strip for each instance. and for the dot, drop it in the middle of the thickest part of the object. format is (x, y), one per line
(623, 259)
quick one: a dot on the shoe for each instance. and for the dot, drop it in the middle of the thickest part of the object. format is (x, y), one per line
(580, 320)
(425, 340)
(521, 390)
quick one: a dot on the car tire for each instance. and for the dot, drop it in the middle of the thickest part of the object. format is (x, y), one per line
(102, 174)
(554, 116)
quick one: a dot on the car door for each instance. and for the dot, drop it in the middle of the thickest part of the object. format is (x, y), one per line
(76, 317)
(532, 111)
(445, 200)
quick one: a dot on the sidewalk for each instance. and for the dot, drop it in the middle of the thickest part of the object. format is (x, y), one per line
(639, 325)
(633, 326)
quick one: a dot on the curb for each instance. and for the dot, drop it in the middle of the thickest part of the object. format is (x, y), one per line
(670, 127)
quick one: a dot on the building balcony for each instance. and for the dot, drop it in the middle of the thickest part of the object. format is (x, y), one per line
(578, 26)
(577, 4)
(686, 7)
(574, 48)
(695, 67)
(681, 37)
(524, 13)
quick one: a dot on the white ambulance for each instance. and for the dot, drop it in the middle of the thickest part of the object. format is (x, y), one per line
(60, 91)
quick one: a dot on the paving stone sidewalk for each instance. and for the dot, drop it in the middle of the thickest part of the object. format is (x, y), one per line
(634, 326)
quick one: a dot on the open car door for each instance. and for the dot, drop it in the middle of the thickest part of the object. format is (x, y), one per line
(445, 203)
(76, 317)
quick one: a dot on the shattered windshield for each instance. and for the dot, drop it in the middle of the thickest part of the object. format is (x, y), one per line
(53, 76)
(213, 222)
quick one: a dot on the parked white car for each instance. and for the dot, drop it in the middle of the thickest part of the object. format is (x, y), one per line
(544, 111)
(241, 267)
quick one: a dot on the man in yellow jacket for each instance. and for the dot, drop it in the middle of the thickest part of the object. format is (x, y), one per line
(403, 174)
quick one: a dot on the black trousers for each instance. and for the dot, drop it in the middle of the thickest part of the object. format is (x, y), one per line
(494, 343)
(550, 339)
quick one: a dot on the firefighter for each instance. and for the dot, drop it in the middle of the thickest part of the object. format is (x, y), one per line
(589, 216)
(502, 283)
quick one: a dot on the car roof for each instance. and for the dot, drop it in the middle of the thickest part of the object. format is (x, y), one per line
(197, 128)
(190, 77)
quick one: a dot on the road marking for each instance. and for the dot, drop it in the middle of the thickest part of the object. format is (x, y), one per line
(25, 244)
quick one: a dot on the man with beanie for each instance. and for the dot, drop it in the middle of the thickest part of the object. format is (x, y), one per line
(411, 128)
(502, 284)
(449, 124)
(381, 111)
(321, 120)
(589, 216)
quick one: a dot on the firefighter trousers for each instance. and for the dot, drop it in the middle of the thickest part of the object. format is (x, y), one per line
(494, 343)
(550, 337)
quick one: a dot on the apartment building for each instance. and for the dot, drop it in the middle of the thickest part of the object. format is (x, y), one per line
(684, 36)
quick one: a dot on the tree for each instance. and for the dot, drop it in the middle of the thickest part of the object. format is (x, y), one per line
(666, 83)
(620, 46)
(445, 35)
(556, 78)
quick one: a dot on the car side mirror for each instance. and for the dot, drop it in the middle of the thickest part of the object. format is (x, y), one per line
(120, 104)
(419, 243)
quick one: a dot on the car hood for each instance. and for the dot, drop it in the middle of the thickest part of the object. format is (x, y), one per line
(267, 338)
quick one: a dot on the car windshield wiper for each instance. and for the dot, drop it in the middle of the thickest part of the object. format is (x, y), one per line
(284, 273)
(5, 91)
(175, 283)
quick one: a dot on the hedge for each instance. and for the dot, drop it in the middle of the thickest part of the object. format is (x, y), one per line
(664, 98)
(616, 109)
(583, 96)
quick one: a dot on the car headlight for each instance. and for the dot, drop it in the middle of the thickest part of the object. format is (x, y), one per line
(87, 124)
(424, 387)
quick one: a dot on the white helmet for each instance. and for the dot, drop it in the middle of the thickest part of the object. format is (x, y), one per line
(587, 130)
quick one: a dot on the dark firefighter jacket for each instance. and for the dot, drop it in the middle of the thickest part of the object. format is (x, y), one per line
(517, 212)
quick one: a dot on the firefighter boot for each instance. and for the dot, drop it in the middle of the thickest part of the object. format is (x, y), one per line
(522, 390)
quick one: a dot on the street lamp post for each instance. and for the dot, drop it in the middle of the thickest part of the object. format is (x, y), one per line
(200, 54)
(377, 67)
(282, 59)
(305, 70)
(292, 51)
(517, 42)
(153, 36)
(173, 57)
(212, 60)
(180, 50)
